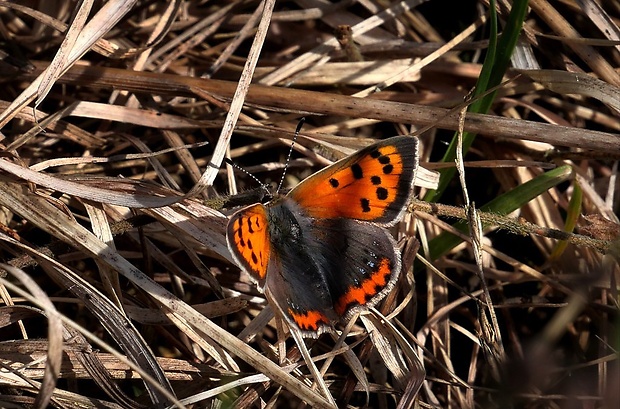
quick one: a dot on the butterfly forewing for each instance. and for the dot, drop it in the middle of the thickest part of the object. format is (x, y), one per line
(248, 240)
(374, 184)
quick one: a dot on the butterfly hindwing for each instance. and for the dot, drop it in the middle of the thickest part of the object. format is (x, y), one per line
(373, 184)
(364, 262)
(248, 240)
(300, 298)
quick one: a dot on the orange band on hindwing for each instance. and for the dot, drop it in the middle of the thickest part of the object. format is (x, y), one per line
(308, 320)
(367, 289)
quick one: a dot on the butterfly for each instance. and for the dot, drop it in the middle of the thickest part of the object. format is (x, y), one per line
(322, 252)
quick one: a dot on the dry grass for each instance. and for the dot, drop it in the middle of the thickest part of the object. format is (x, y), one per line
(118, 289)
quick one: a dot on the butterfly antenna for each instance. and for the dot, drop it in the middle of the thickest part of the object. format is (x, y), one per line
(290, 152)
(261, 184)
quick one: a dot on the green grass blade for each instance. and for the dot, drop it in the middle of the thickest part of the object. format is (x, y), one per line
(495, 64)
(502, 205)
(572, 216)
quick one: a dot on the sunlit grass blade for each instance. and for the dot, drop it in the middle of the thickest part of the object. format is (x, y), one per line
(574, 211)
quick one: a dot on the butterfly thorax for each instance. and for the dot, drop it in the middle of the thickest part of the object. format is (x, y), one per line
(286, 223)
(293, 237)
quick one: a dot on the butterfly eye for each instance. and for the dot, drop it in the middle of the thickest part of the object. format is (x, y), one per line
(267, 197)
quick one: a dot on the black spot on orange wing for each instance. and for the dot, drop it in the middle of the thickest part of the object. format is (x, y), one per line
(382, 193)
(357, 170)
(365, 205)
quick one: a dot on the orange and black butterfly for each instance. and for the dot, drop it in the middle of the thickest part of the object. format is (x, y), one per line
(322, 251)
